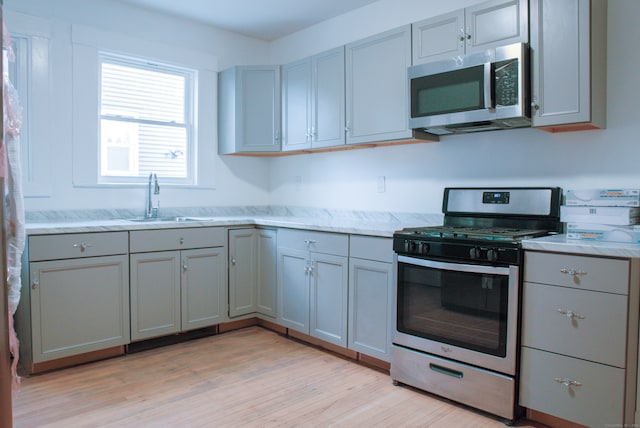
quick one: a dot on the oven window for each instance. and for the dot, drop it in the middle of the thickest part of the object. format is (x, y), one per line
(463, 309)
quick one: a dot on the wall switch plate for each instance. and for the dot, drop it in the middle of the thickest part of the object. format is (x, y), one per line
(382, 185)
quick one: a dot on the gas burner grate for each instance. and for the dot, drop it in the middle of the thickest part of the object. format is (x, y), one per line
(477, 233)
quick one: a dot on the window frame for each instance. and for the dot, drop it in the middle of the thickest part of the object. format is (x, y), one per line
(190, 76)
(86, 43)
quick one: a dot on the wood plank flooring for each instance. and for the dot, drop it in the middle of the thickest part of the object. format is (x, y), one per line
(246, 378)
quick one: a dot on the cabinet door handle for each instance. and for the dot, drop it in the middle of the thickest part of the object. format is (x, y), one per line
(185, 266)
(571, 314)
(567, 382)
(233, 261)
(34, 284)
(572, 272)
(82, 245)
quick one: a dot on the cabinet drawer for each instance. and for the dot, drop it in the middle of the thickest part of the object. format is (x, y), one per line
(598, 402)
(75, 245)
(597, 331)
(371, 248)
(591, 273)
(176, 239)
(320, 242)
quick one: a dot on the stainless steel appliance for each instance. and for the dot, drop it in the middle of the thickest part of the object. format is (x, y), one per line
(458, 291)
(477, 92)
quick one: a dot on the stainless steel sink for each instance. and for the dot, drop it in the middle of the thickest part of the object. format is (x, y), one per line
(164, 219)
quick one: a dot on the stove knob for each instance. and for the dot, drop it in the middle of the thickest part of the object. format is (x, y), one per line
(492, 255)
(412, 246)
(425, 249)
(474, 252)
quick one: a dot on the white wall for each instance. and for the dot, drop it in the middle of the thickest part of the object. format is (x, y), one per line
(238, 181)
(416, 174)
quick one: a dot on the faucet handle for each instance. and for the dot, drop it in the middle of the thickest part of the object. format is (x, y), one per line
(156, 186)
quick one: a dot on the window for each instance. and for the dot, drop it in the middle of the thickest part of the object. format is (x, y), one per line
(146, 121)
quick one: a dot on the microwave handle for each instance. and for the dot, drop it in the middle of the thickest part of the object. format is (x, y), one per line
(488, 85)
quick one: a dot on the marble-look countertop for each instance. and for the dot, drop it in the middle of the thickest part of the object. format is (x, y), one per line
(352, 222)
(560, 244)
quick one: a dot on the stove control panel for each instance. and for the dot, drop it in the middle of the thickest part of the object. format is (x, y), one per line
(471, 252)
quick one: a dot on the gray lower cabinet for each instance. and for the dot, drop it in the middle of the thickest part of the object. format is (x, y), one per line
(252, 272)
(266, 268)
(370, 295)
(580, 337)
(312, 278)
(75, 297)
(178, 280)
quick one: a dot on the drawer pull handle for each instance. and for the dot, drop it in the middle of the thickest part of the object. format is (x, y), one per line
(446, 371)
(572, 272)
(571, 314)
(83, 246)
(309, 241)
(568, 382)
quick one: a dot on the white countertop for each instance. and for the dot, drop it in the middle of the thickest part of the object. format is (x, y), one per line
(360, 226)
(560, 244)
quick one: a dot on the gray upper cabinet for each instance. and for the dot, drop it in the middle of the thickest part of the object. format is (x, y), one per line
(568, 57)
(483, 26)
(313, 102)
(376, 85)
(249, 109)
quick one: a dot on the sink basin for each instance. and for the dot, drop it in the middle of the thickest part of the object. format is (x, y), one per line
(163, 219)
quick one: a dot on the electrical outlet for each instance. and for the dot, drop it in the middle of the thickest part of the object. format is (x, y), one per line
(382, 184)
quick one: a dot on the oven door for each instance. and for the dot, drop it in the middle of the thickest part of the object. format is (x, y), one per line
(468, 313)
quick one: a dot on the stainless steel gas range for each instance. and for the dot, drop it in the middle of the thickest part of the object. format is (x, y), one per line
(458, 294)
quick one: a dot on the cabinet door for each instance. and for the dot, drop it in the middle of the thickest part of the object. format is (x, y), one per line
(258, 109)
(266, 268)
(496, 23)
(328, 302)
(293, 289)
(376, 85)
(568, 81)
(155, 294)
(243, 274)
(327, 112)
(296, 105)
(370, 304)
(203, 287)
(438, 38)
(78, 306)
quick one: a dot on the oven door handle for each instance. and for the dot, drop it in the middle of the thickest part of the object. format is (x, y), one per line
(458, 267)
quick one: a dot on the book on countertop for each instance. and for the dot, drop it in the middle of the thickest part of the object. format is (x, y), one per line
(622, 216)
(604, 197)
(603, 232)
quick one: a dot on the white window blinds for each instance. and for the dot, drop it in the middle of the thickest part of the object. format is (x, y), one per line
(145, 119)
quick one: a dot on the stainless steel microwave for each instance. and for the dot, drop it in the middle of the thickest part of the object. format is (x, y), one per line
(477, 92)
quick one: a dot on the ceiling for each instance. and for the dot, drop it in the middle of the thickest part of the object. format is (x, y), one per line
(261, 19)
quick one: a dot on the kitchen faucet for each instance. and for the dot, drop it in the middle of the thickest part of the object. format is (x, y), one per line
(153, 204)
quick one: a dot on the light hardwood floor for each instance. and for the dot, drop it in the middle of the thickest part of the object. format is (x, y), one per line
(246, 378)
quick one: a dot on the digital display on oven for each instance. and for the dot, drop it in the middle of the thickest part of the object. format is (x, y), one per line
(495, 197)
